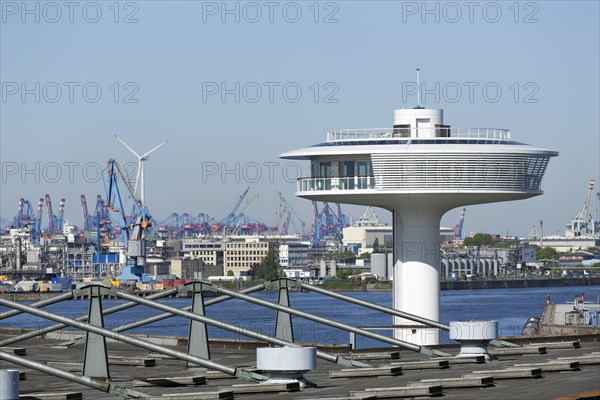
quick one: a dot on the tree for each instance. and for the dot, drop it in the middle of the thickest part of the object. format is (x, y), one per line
(342, 273)
(546, 253)
(230, 273)
(268, 268)
(376, 245)
(480, 239)
(344, 255)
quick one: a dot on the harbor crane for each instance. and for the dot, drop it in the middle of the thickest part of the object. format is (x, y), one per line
(61, 215)
(204, 223)
(284, 223)
(133, 230)
(51, 218)
(55, 222)
(328, 224)
(245, 224)
(458, 229)
(84, 211)
(26, 218)
(583, 224)
(230, 220)
(368, 218)
(287, 206)
(37, 226)
(4, 225)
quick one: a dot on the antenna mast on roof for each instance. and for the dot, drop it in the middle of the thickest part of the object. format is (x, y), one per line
(418, 89)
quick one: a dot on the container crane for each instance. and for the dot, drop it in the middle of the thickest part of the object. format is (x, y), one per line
(284, 224)
(369, 218)
(327, 224)
(50, 214)
(230, 220)
(342, 218)
(37, 227)
(242, 221)
(204, 224)
(583, 223)
(17, 219)
(458, 229)
(5, 225)
(84, 211)
(316, 228)
(169, 224)
(187, 224)
(133, 231)
(288, 206)
(61, 215)
(55, 222)
(334, 221)
(101, 219)
(24, 217)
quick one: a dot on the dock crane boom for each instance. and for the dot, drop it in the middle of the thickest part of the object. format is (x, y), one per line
(230, 220)
(316, 228)
(25, 215)
(37, 227)
(290, 208)
(84, 211)
(458, 235)
(51, 218)
(133, 230)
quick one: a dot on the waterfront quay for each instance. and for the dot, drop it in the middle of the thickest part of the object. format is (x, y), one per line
(519, 283)
(542, 377)
(370, 286)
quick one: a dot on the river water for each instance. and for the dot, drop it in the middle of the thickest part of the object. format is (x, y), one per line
(510, 307)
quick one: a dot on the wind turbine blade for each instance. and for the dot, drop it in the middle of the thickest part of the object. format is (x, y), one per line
(129, 148)
(150, 151)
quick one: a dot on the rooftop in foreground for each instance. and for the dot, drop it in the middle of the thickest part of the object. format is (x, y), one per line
(551, 384)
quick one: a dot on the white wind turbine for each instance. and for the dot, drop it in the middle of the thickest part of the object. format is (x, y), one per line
(140, 172)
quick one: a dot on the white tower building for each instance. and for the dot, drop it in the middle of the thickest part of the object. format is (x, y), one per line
(419, 170)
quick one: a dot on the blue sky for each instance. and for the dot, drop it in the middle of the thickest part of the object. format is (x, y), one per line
(162, 66)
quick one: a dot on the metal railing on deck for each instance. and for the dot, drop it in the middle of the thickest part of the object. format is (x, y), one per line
(435, 133)
(335, 183)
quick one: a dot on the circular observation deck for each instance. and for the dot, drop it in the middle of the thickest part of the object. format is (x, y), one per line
(453, 166)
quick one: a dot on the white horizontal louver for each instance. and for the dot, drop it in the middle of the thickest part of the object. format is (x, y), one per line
(440, 171)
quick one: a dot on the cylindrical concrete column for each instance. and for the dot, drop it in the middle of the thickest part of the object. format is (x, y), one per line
(322, 268)
(332, 267)
(417, 271)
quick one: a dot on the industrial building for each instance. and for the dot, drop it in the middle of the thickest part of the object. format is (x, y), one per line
(361, 238)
